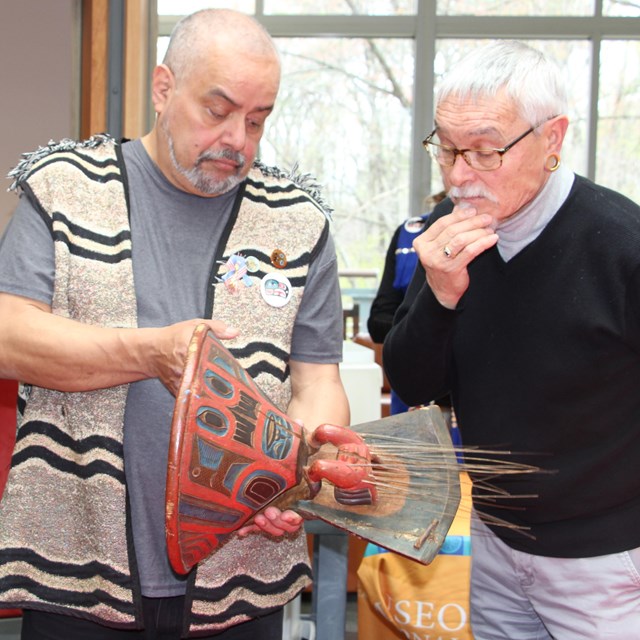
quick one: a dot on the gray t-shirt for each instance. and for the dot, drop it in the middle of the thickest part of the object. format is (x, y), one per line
(174, 239)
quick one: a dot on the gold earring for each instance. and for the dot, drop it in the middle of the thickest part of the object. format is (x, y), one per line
(556, 165)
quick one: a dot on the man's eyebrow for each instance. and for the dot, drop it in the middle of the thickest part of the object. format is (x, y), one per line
(219, 93)
(482, 131)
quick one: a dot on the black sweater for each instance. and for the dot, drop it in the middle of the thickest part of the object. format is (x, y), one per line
(542, 356)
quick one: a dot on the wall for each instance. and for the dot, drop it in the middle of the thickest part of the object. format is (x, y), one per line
(39, 81)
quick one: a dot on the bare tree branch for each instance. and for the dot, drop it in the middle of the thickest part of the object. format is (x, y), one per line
(626, 3)
(352, 76)
(397, 89)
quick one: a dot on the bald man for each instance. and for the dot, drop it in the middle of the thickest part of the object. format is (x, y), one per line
(115, 253)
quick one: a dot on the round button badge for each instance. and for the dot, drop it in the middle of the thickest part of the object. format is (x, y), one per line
(252, 264)
(275, 289)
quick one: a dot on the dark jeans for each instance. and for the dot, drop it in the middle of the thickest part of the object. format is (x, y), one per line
(162, 620)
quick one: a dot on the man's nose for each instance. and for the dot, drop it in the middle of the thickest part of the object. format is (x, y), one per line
(460, 172)
(235, 134)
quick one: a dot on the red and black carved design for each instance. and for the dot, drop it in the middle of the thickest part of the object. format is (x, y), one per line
(232, 453)
(393, 481)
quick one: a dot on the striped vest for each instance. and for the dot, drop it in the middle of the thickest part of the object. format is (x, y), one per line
(65, 544)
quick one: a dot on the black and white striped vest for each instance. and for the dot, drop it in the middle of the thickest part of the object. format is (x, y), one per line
(64, 540)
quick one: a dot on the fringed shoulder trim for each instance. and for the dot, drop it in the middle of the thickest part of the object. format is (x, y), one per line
(304, 181)
(20, 172)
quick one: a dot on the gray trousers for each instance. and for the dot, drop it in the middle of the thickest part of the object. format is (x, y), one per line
(516, 595)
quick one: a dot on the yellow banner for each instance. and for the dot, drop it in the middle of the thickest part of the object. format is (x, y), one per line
(399, 598)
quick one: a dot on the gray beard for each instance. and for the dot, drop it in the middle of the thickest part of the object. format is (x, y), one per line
(199, 179)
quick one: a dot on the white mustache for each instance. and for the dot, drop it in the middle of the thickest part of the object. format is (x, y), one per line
(462, 193)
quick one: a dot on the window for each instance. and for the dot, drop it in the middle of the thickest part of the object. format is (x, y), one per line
(341, 7)
(519, 8)
(619, 116)
(357, 94)
(344, 114)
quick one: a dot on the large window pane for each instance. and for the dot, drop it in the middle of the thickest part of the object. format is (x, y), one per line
(184, 7)
(161, 48)
(344, 110)
(627, 8)
(344, 114)
(516, 7)
(574, 56)
(342, 7)
(619, 117)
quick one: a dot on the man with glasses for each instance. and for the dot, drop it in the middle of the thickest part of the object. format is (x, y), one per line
(526, 307)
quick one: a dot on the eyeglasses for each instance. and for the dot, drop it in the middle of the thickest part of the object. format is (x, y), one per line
(479, 159)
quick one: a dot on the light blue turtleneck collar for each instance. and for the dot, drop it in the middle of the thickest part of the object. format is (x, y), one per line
(527, 224)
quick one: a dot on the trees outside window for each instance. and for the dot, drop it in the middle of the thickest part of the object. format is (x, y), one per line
(357, 94)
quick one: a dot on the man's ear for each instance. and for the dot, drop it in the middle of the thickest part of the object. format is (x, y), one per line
(557, 129)
(162, 84)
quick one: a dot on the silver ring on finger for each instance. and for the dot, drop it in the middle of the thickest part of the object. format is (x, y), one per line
(447, 251)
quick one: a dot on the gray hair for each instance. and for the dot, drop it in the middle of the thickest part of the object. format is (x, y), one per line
(531, 79)
(194, 32)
